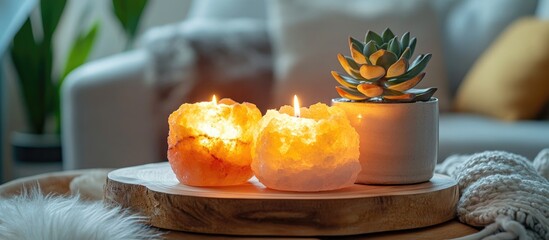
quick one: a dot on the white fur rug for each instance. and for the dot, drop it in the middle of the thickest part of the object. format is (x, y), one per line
(33, 216)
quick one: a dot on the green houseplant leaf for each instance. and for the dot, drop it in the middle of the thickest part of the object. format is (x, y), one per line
(32, 58)
(80, 50)
(33, 61)
(51, 11)
(78, 55)
(27, 57)
(129, 14)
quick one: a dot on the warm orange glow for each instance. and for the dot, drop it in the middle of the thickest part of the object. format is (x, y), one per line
(209, 143)
(317, 152)
(358, 119)
(296, 107)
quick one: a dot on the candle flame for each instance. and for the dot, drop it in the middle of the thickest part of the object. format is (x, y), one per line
(296, 107)
(214, 99)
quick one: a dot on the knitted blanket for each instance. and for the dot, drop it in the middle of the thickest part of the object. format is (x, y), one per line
(504, 192)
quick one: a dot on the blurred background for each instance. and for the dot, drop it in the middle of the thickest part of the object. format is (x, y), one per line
(90, 84)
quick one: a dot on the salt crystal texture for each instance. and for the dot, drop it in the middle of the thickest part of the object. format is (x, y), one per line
(317, 152)
(209, 144)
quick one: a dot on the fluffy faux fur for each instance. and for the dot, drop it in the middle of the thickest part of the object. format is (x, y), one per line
(35, 216)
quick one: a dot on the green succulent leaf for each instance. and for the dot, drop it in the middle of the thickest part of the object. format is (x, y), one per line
(412, 46)
(390, 95)
(345, 81)
(354, 46)
(370, 90)
(394, 46)
(382, 46)
(351, 94)
(387, 35)
(405, 40)
(389, 43)
(391, 92)
(356, 42)
(372, 72)
(369, 48)
(418, 66)
(406, 54)
(350, 66)
(422, 94)
(372, 36)
(399, 68)
(417, 60)
(383, 58)
(356, 54)
(405, 84)
(348, 61)
(380, 69)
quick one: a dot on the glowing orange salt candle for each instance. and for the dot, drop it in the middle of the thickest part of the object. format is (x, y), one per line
(306, 149)
(209, 143)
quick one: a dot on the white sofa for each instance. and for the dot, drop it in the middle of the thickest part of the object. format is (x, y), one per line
(115, 109)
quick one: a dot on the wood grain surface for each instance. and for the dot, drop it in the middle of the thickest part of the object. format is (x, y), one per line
(252, 209)
(447, 230)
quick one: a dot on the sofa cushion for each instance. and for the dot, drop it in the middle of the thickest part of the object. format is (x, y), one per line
(470, 26)
(471, 133)
(511, 79)
(307, 36)
(227, 9)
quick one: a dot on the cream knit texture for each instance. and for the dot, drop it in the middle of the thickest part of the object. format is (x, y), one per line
(503, 192)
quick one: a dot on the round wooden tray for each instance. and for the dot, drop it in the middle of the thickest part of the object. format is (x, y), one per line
(252, 209)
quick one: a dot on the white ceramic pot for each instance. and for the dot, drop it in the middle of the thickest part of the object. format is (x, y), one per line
(398, 141)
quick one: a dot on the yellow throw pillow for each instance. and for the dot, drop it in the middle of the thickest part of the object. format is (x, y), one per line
(510, 81)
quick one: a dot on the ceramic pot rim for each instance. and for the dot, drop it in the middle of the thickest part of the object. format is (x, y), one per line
(432, 100)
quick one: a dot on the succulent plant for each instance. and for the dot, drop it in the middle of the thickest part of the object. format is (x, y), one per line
(379, 70)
